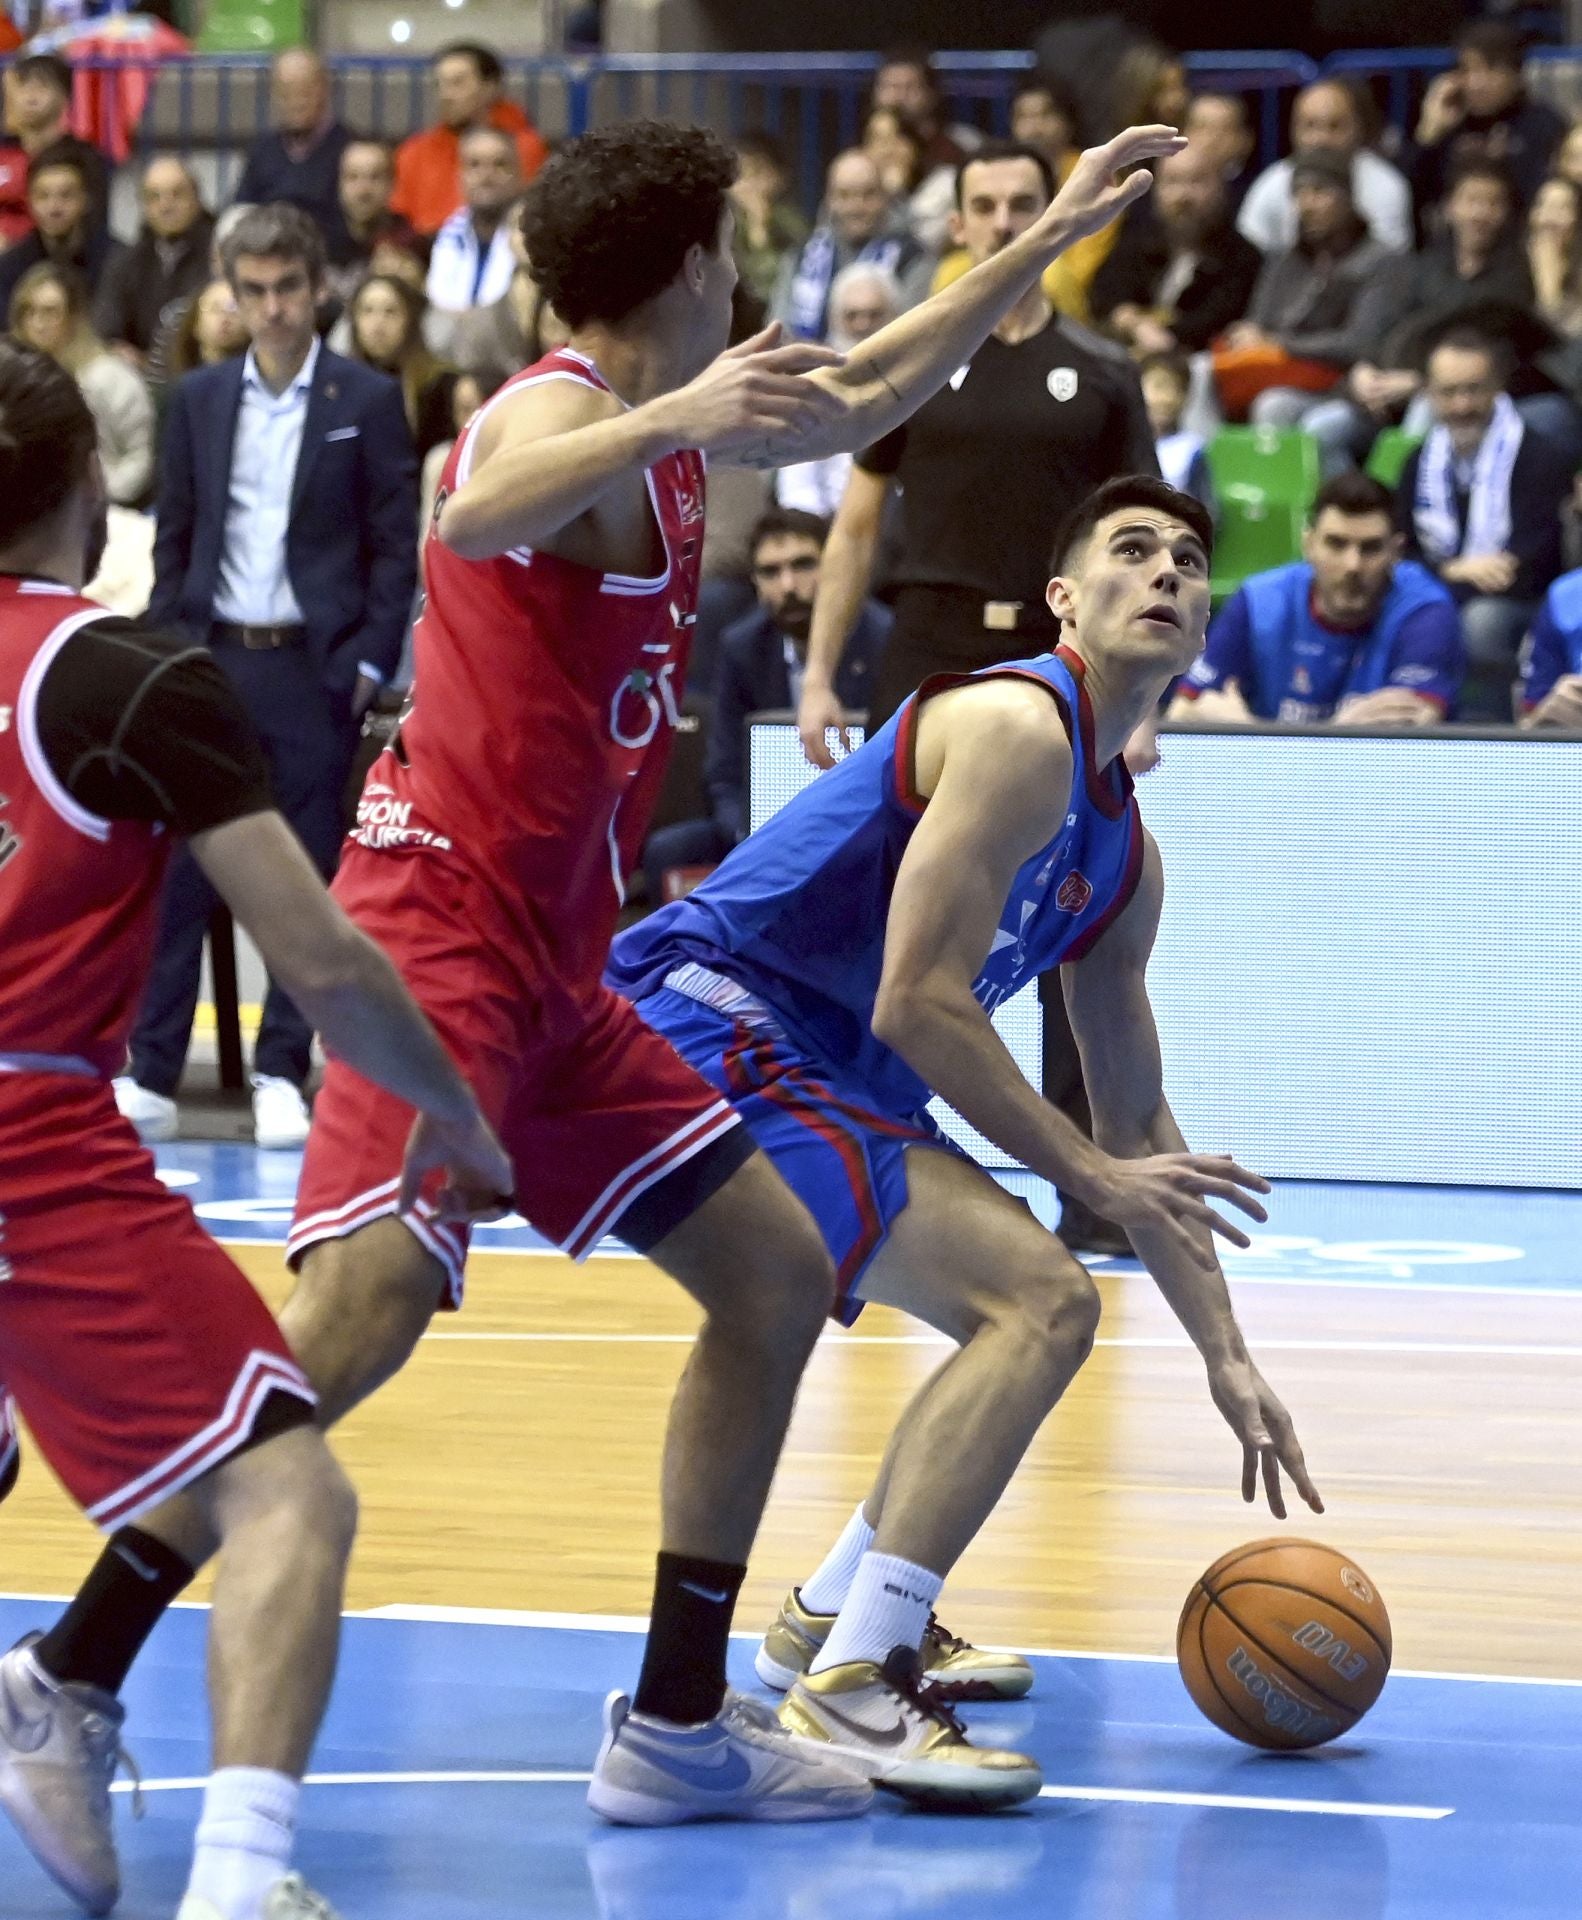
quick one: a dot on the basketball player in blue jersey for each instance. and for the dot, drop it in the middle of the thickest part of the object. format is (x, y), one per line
(1350, 632)
(840, 968)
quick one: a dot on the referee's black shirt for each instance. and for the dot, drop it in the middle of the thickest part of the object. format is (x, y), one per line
(991, 465)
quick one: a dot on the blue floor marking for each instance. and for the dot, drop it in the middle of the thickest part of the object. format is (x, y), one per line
(448, 1698)
(1331, 1234)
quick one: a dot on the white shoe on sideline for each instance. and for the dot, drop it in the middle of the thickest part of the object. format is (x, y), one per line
(280, 1114)
(153, 1114)
(289, 1899)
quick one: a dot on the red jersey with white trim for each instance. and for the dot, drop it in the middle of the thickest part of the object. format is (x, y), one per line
(78, 894)
(545, 701)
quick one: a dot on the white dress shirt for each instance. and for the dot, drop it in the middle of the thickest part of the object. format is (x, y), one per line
(254, 589)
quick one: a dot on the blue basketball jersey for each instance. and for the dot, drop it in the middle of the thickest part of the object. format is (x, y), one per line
(797, 914)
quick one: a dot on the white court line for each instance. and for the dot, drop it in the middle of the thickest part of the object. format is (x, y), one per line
(413, 1614)
(1322, 1283)
(1165, 1343)
(1131, 1796)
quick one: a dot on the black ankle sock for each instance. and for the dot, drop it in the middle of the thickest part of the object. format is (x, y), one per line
(683, 1677)
(118, 1606)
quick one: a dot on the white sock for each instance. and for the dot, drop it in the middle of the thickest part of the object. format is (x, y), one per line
(888, 1607)
(245, 1839)
(826, 1592)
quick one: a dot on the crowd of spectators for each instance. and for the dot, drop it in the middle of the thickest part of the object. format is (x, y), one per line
(1425, 280)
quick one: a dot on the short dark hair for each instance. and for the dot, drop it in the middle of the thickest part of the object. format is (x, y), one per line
(913, 54)
(1169, 360)
(275, 231)
(610, 218)
(47, 438)
(777, 522)
(1494, 41)
(485, 59)
(1051, 84)
(1353, 492)
(1481, 166)
(993, 150)
(1462, 338)
(1130, 490)
(58, 157)
(763, 146)
(45, 66)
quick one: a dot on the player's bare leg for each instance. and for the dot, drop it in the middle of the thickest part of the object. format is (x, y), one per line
(753, 1260)
(970, 1261)
(286, 1516)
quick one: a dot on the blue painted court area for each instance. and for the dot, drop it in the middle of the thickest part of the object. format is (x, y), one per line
(1339, 1235)
(456, 1755)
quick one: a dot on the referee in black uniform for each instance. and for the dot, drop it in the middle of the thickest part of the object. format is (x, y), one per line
(1043, 413)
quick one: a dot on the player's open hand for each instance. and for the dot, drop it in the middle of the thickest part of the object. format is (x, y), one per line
(1106, 180)
(1260, 1422)
(755, 403)
(1170, 1193)
(817, 712)
(478, 1176)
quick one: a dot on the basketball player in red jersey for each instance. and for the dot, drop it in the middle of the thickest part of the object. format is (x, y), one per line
(562, 574)
(137, 1352)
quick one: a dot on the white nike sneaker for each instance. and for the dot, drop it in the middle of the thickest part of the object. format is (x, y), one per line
(280, 1114)
(153, 1114)
(60, 1745)
(741, 1765)
(289, 1899)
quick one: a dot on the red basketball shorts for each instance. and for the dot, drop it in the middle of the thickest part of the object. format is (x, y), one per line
(594, 1108)
(136, 1350)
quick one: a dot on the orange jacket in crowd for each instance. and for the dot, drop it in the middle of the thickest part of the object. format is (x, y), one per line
(428, 166)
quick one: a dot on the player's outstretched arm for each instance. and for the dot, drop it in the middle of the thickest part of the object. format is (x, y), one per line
(890, 375)
(1112, 1019)
(349, 992)
(546, 457)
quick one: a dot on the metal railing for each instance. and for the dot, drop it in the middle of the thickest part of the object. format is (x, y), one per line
(811, 102)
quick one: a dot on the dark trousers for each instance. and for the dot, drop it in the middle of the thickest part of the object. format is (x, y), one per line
(940, 630)
(309, 741)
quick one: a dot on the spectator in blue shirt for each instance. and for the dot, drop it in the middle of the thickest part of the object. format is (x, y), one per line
(1552, 658)
(298, 160)
(1352, 632)
(761, 661)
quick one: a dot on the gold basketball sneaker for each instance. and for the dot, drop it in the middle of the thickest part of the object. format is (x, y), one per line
(892, 1722)
(957, 1670)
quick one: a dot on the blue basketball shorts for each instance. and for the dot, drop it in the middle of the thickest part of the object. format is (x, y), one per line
(843, 1158)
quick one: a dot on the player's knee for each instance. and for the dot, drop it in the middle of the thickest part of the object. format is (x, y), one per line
(359, 1309)
(784, 1303)
(1057, 1308)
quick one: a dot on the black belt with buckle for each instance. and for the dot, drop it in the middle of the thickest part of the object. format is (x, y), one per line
(259, 639)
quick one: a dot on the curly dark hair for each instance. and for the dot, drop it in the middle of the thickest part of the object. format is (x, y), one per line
(47, 438)
(608, 221)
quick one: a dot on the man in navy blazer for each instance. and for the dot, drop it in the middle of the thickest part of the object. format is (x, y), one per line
(759, 669)
(287, 542)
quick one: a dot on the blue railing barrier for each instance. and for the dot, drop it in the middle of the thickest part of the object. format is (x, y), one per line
(213, 105)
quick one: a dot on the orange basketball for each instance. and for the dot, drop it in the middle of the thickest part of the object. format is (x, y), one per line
(1284, 1643)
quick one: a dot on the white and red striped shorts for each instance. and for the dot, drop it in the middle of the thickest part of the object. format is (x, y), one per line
(136, 1349)
(594, 1108)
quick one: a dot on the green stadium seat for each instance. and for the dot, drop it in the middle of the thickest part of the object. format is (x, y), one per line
(1391, 451)
(1264, 479)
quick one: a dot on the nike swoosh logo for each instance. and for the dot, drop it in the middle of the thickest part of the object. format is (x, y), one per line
(727, 1775)
(872, 1736)
(706, 1593)
(130, 1559)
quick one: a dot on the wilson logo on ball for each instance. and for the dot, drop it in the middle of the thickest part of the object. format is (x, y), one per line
(1318, 1639)
(1281, 1708)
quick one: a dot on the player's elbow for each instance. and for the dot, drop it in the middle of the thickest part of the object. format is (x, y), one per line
(459, 527)
(896, 1015)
